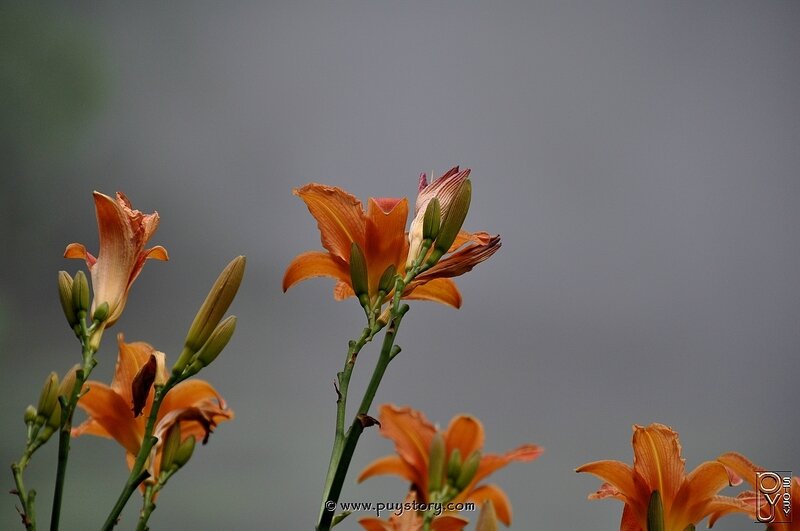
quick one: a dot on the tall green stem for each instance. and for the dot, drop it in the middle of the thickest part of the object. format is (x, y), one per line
(26, 498)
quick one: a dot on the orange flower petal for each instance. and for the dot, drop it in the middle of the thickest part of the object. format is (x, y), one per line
(78, 250)
(342, 291)
(339, 215)
(719, 506)
(449, 523)
(657, 458)
(740, 466)
(441, 290)
(91, 427)
(315, 264)
(156, 253)
(412, 434)
(131, 358)
(491, 462)
(499, 499)
(391, 464)
(110, 411)
(191, 393)
(700, 486)
(463, 260)
(617, 474)
(630, 521)
(465, 432)
(372, 523)
(385, 242)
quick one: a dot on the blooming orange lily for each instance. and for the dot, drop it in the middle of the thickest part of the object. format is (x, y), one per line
(410, 520)
(658, 466)
(123, 234)
(380, 233)
(413, 436)
(745, 469)
(194, 403)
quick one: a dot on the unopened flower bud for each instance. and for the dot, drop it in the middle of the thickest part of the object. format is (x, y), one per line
(54, 421)
(80, 293)
(452, 222)
(655, 513)
(65, 297)
(68, 382)
(101, 313)
(454, 465)
(30, 415)
(386, 283)
(218, 340)
(432, 220)
(436, 464)
(184, 452)
(468, 470)
(358, 271)
(48, 399)
(487, 521)
(171, 446)
(214, 307)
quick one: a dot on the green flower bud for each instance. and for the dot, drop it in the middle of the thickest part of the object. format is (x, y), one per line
(214, 307)
(30, 415)
(80, 293)
(184, 452)
(358, 271)
(48, 398)
(432, 220)
(386, 283)
(454, 465)
(101, 313)
(68, 382)
(65, 297)
(171, 446)
(468, 470)
(452, 222)
(655, 513)
(487, 521)
(218, 340)
(436, 463)
(54, 421)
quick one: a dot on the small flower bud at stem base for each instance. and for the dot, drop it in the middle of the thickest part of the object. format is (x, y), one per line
(65, 297)
(48, 398)
(358, 272)
(80, 293)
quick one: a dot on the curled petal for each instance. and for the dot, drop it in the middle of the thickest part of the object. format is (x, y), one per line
(412, 434)
(657, 458)
(492, 462)
(463, 260)
(498, 498)
(315, 264)
(108, 410)
(700, 486)
(339, 215)
(391, 464)
(441, 290)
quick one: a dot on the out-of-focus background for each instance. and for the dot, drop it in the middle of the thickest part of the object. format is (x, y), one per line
(640, 161)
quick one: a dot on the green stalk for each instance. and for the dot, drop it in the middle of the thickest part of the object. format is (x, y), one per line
(138, 473)
(27, 499)
(148, 505)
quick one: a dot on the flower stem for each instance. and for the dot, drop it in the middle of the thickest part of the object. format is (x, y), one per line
(67, 412)
(27, 499)
(138, 472)
(148, 505)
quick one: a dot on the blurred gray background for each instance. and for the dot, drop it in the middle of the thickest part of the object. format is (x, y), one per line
(639, 159)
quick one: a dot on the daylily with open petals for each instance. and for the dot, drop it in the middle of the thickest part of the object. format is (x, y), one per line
(746, 470)
(658, 466)
(411, 520)
(380, 233)
(123, 234)
(413, 437)
(194, 403)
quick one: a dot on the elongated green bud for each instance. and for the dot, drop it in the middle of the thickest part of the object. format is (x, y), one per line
(48, 398)
(30, 415)
(655, 513)
(101, 313)
(171, 446)
(68, 382)
(65, 297)
(214, 307)
(358, 271)
(468, 470)
(184, 452)
(454, 465)
(432, 220)
(54, 421)
(436, 464)
(452, 222)
(80, 293)
(487, 521)
(386, 283)
(215, 344)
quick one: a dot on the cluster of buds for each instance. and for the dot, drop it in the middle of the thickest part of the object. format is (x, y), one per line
(176, 453)
(446, 480)
(46, 418)
(209, 333)
(74, 296)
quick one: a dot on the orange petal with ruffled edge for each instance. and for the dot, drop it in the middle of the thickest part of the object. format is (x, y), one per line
(492, 462)
(502, 505)
(465, 432)
(741, 466)
(391, 464)
(131, 358)
(616, 474)
(106, 408)
(442, 290)
(315, 264)
(340, 217)
(385, 242)
(657, 459)
(698, 488)
(412, 434)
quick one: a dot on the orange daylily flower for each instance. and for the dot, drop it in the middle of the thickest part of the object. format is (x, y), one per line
(194, 403)
(380, 233)
(746, 470)
(410, 520)
(658, 466)
(123, 234)
(413, 436)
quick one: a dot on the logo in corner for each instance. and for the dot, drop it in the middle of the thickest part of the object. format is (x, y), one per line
(774, 497)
